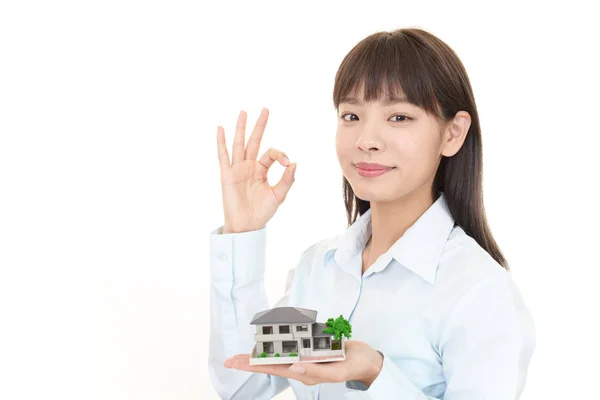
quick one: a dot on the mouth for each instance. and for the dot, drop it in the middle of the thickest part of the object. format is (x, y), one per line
(371, 170)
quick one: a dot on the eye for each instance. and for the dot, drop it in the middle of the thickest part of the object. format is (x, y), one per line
(401, 116)
(344, 115)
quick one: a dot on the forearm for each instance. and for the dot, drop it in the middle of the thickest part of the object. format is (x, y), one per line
(236, 294)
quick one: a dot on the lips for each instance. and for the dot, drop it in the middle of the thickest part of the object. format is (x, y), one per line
(370, 170)
(372, 166)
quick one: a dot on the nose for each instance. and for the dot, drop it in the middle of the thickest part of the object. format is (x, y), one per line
(369, 143)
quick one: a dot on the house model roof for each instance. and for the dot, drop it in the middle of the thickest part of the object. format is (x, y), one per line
(285, 315)
(318, 330)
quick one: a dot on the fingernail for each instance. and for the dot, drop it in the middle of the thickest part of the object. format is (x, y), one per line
(286, 161)
(297, 369)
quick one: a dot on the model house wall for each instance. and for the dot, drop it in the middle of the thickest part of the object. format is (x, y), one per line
(276, 335)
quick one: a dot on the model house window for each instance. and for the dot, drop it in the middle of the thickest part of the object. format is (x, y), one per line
(289, 346)
(301, 328)
(267, 330)
(268, 347)
(284, 329)
(336, 345)
(306, 343)
(321, 343)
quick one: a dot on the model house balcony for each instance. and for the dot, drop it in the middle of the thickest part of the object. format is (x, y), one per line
(273, 337)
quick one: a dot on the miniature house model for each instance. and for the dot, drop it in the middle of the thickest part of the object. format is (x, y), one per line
(291, 334)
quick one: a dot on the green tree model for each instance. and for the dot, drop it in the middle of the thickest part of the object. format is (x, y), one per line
(338, 327)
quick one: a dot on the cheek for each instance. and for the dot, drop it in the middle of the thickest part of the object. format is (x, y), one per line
(417, 157)
(415, 147)
(343, 146)
(408, 145)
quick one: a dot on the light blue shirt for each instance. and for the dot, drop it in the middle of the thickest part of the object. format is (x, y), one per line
(447, 317)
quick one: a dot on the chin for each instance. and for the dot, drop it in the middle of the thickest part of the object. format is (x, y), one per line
(376, 193)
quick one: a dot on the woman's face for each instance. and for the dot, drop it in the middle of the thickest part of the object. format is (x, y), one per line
(402, 138)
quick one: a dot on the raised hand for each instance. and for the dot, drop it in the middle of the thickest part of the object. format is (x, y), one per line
(249, 201)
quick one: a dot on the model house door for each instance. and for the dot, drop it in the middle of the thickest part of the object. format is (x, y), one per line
(305, 346)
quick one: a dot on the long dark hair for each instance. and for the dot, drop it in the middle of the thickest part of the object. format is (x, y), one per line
(428, 72)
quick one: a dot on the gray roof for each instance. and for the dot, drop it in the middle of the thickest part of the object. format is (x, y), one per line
(285, 315)
(318, 330)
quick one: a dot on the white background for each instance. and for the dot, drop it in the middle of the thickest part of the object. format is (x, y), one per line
(109, 180)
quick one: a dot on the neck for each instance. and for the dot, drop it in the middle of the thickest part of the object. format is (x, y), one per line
(389, 220)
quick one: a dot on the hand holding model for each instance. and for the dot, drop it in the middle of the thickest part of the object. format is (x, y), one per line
(362, 364)
(249, 201)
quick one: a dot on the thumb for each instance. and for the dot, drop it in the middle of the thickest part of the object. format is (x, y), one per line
(322, 372)
(282, 187)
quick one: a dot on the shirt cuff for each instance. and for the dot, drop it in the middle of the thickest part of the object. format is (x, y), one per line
(237, 256)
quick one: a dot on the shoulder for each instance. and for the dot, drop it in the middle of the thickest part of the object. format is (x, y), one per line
(468, 276)
(463, 263)
(480, 294)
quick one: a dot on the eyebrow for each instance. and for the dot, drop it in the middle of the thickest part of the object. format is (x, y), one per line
(387, 102)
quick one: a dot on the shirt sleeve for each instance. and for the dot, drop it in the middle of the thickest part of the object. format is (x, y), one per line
(237, 263)
(486, 346)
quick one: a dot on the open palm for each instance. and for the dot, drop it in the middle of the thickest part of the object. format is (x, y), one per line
(362, 363)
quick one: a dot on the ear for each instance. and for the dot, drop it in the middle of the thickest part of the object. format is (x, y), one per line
(455, 133)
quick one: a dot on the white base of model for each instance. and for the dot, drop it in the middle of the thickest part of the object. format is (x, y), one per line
(270, 360)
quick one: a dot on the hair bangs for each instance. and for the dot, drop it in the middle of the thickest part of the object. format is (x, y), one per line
(386, 68)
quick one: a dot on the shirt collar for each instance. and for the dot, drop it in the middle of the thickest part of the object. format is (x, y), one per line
(419, 249)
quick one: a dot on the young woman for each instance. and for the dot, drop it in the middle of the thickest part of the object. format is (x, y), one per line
(434, 311)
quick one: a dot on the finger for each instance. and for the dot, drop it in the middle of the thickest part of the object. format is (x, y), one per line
(322, 372)
(281, 189)
(242, 361)
(243, 364)
(238, 140)
(222, 149)
(256, 136)
(273, 155)
(230, 361)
